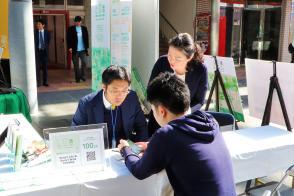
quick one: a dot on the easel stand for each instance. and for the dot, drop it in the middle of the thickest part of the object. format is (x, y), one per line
(274, 84)
(218, 80)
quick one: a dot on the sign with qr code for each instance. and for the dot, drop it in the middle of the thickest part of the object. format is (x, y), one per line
(77, 148)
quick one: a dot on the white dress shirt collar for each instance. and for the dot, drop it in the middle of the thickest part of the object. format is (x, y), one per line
(106, 103)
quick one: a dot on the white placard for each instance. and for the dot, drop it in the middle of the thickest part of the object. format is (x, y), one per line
(77, 148)
(258, 73)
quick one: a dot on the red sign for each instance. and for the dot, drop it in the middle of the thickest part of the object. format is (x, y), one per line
(233, 1)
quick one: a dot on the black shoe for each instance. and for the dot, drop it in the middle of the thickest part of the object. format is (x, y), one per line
(82, 78)
(77, 81)
(46, 84)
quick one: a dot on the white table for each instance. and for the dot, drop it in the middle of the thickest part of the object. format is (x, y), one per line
(258, 152)
(46, 181)
(255, 152)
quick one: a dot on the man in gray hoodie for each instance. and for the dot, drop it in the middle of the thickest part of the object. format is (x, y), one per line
(189, 147)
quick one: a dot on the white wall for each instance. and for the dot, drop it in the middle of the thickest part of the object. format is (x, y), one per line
(179, 13)
(145, 38)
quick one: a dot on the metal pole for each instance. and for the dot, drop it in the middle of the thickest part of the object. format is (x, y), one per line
(22, 50)
(214, 35)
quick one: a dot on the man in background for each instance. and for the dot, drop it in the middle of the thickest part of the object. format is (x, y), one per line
(78, 44)
(42, 39)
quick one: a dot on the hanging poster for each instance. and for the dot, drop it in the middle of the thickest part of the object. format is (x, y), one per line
(228, 72)
(100, 35)
(111, 36)
(203, 31)
(121, 33)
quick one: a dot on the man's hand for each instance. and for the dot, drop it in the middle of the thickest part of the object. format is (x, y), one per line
(122, 143)
(70, 50)
(142, 145)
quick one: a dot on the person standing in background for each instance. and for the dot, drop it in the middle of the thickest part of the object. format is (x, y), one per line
(291, 50)
(42, 39)
(78, 44)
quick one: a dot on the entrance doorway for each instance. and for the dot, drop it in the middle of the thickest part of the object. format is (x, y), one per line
(261, 32)
(252, 30)
(56, 25)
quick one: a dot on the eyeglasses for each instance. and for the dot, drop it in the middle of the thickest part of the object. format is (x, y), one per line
(117, 92)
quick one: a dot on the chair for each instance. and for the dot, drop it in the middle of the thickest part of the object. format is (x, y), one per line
(226, 121)
(274, 188)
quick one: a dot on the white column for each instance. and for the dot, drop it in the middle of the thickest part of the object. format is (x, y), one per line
(22, 51)
(214, 35)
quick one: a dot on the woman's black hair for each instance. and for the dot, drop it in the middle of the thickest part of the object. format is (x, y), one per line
(185, 43)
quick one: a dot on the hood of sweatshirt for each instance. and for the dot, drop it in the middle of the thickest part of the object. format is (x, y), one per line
(199, 124)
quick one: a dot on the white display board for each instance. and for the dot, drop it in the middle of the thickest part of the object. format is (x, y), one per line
(228, 72)
(258, 73)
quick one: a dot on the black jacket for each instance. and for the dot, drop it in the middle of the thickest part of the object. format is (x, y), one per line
(46, 39)
(192, 151)
(90, 111)
(72, 38)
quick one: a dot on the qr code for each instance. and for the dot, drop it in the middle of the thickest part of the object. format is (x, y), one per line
(91, 156)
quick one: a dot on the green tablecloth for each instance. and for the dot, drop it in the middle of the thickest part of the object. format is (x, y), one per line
(14, 103)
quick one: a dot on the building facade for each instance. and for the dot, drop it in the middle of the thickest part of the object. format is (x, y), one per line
(58, 16)
(258, 29)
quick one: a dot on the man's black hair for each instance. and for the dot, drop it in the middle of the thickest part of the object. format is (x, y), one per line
(41, 21)
(115, 72)
(78, 19)
(170, 91)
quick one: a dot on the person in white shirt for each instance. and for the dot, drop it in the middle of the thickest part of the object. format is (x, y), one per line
(78, 44)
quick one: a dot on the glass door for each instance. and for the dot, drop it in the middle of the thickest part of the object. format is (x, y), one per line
(261, 31)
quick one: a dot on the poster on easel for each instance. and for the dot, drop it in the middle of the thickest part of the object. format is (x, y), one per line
(258, 74)
(228, 73)
(111, 36)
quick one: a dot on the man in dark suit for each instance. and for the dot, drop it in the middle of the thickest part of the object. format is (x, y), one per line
(115, 105)
(42, 39)
(78, 44)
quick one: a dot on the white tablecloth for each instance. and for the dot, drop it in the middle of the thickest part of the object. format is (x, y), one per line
(255, 153)
(258, 152)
